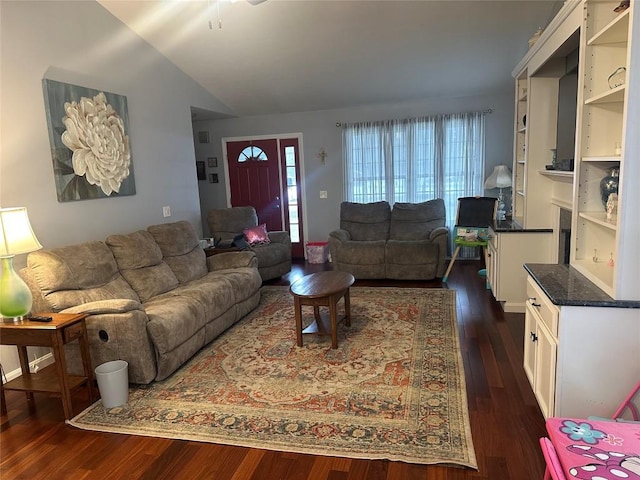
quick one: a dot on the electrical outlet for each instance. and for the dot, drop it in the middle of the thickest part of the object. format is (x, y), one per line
(323, 194)
(166, 211)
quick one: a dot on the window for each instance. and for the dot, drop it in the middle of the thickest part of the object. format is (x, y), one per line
(292, 193)
(252, 153)
(415, 160)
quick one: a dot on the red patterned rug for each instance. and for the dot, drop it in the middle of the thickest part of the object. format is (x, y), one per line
(393, 389)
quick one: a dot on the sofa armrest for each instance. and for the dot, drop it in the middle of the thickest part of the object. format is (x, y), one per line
(115, 336)
(341, 235)
(440, 236)
(280, 237)
(438, 232)
(40, 303)
(120, 305)
(223, 261)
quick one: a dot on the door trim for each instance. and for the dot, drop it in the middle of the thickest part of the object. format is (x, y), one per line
(303, 187)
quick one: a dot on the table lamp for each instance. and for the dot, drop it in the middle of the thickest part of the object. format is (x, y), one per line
(16, 237)
(499, 178)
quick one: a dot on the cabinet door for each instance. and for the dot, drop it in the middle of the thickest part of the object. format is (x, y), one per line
(530, 327)
(545, 370)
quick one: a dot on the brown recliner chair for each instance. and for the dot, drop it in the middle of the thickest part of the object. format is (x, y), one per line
(274, 258)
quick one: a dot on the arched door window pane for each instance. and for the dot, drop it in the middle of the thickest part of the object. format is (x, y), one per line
(252, 153)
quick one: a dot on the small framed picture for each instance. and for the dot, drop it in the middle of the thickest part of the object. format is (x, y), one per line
(213, 178)
(212, 162)
(203, 137)
(201, 170)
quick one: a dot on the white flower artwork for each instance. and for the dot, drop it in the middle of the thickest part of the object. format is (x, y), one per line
(89, 142)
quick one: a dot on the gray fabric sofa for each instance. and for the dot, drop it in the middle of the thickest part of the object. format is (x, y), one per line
(408, 242)
(274, 258)
(153, 298)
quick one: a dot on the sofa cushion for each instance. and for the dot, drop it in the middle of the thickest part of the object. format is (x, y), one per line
(414, 252)
(180, 249)
(366, 221)
(272, 254)
(362, 253)
(77, 274)
(213, 291)
(411, 260)
(173, 320)
(140, 261)
(415, 221)
(244, 282)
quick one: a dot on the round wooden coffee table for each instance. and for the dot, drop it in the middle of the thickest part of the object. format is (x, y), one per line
(322, 289)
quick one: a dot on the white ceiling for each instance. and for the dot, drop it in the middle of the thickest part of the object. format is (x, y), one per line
(301, 55)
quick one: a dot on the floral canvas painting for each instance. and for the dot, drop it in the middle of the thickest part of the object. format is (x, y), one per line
(90, 146)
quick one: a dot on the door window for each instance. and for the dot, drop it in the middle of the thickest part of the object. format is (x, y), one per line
(292, 193)
(252, 153)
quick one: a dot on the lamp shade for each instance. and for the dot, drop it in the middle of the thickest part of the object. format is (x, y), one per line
(16, 234)
(499, 178)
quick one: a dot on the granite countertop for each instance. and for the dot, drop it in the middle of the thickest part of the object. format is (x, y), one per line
(564, 285)
(512, 226)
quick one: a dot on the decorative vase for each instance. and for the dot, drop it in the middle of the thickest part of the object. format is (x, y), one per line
(609, 185)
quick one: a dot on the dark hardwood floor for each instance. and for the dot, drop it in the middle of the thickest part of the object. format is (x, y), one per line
(506, 422)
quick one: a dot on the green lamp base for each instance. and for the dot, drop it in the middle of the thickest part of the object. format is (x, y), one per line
(15, 296)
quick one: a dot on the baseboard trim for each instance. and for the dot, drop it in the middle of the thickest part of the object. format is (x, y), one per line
(513, 307)
(39, 362)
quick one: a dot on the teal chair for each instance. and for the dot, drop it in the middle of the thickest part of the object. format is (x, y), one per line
(475, 214)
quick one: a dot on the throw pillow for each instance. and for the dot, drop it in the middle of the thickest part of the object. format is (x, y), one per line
(257, 235)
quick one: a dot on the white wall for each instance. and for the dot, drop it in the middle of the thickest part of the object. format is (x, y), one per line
(83, 44)
(319, 131)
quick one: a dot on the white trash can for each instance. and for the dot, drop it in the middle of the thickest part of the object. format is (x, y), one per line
(113, 383)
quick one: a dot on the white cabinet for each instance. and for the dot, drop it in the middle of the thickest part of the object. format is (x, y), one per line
(506, 253)
(540, 346)
(580, 360)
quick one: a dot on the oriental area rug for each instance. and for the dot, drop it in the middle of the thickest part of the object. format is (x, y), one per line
(393, 389)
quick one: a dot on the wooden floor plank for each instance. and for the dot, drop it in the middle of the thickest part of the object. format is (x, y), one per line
(506, 422)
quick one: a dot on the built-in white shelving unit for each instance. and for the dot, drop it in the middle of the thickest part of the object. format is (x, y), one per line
(604, 248)
(604, 139)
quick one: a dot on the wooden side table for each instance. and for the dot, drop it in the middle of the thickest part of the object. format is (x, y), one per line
(52, 379)
(322, 289)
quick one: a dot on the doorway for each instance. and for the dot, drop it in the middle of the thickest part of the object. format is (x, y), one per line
(265, 173)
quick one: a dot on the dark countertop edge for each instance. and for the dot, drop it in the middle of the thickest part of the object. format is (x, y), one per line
(523, 230)
(604, 300)
(511, 226)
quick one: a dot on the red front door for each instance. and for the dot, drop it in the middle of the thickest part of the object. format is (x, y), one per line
(254, 179)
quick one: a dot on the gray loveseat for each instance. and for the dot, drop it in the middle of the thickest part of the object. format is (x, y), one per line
(153, 298)
(408, 242)
(274, 258)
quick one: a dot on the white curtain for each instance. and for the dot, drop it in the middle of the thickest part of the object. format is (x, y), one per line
(415, 160)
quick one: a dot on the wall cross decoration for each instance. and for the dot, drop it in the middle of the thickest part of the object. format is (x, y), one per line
(322, 155)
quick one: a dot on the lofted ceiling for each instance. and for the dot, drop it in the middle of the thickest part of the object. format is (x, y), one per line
(301, 55)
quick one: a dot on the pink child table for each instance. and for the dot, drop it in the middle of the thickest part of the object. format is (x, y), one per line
(596, 449)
